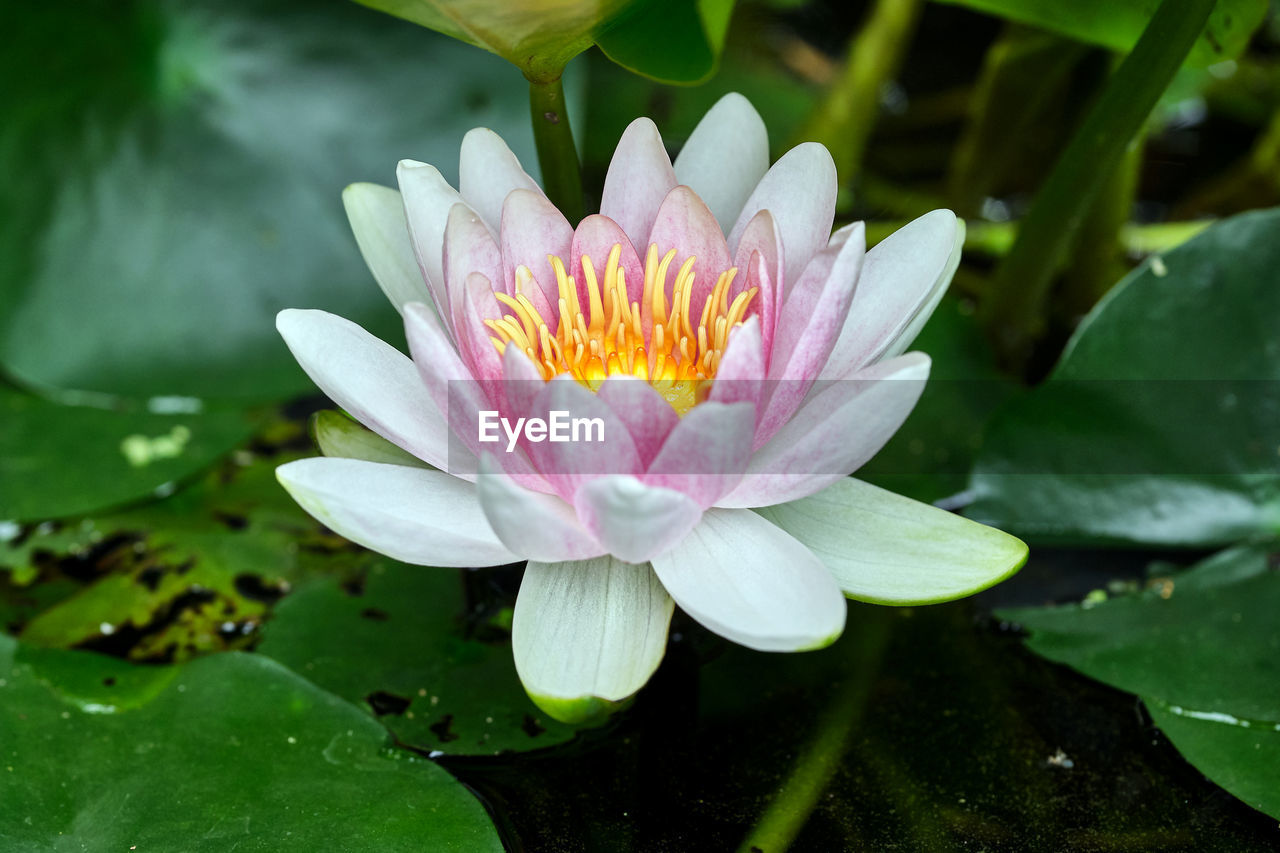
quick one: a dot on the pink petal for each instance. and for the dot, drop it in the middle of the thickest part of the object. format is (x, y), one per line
(487, 172)
(725, 157)
(740, 377)
(811, 320)
(535, 526)
(532, 229)
(634, 521)
(903, 274)
(595, 237)
(647, 416)
(840, 427)
(468, 248)
(639, 178)
(800, 192)
(707, 453)
(568, 465)
(685, 224)
(759, 260)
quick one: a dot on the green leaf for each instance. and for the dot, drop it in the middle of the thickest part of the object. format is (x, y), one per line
(1161, 423)
(175, 179)
(671, 41)
(397, 644)
(1200, 648)
(537, 36)
(230, 751)
(58, 461)
(1116, 24)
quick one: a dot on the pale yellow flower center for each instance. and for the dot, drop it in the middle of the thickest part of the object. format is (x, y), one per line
(680, 354)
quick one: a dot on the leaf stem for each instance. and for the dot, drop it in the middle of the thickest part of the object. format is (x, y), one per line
(1015, 313)
(561, 170)
(844, 119)
(790, 809)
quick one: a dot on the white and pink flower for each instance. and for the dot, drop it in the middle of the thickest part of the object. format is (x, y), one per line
(698, 315)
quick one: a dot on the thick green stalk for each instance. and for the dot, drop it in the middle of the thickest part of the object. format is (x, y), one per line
(561, 170)
(845, 117)
(821, 758)
(1015, 313)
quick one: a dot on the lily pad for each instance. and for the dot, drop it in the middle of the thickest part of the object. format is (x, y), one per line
(398, 644)
(1161, 422)
(175, 179)
(58, 461)
(230, 751)
(1200, 648)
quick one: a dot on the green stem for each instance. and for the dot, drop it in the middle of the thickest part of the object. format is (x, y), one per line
(1015, 314)
(561, 171)
(844, 119)
(821, 758)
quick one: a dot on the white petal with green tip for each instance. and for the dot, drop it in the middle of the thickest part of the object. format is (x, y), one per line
(588, 634)
(886, 548)
(751, 582)
(338, 435)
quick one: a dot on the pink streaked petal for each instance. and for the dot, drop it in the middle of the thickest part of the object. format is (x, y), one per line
(475, 342)
(532, 229)
(800, 192)
(648, 417)
(902, 275)
(487, 172)
(468, 248)
(740, 377)
(752, 582)
(536, 526)
(725, 157)
(707, 453)
(811, 320)
(595, 237)
(423, 517)
(685, 224)
(450, 385)
(371, 379)
(634, 521)
(566, 465)
(760, 264)
(639, 178)
(428, 199)
(839, 428)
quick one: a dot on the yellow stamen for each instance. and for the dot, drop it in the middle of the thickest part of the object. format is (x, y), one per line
(678, 357)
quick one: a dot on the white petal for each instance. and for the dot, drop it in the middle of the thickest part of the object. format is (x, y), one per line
(534, 525)
(750, 581)
(376, 383)
(889, 549)
(800, 192)
(382, 233)
(427, 518)
(725, 157)
(902, 279)
(587, 635)
(428, 198)
(899, 344)
(487, 172)
(338, 435)
(632, 520)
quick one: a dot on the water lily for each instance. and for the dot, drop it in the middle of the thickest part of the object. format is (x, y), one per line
(743, 360)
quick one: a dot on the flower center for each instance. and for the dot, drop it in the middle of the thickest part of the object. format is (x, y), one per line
(676, 351)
